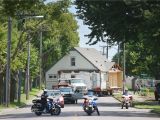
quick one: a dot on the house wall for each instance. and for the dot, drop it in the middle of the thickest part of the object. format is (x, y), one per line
(104, 80)
(65, 64)
(90, 78)
(120, 79)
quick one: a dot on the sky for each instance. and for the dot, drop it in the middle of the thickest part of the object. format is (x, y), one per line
(84, 30)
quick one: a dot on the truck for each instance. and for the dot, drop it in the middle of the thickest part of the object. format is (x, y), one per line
(78, 84)
(68, 94)
(79, 87)
(111, 83)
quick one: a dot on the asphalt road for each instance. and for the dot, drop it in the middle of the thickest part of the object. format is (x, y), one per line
(109, 108)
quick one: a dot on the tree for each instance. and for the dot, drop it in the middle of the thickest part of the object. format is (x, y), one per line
(58, 28)
(62, 33)
(139, 59)
(111, 19)
(12, 7)
(125, 21)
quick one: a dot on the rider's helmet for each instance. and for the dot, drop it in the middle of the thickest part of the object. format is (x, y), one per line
(126, 91)
(45, 91)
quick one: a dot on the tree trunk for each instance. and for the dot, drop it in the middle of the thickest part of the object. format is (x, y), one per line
(12, 89)
(30, 83)
(16, 86)
(1, 88)
(157, 76)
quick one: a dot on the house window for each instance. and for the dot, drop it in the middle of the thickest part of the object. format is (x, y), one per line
(52, 76)
(73, 76)
(55, 76)
(73, 61)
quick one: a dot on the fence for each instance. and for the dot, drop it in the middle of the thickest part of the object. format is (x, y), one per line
(146, 85)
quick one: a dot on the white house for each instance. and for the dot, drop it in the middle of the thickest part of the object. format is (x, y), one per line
(85, 63)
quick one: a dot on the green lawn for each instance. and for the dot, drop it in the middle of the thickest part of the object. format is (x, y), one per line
(32, 94)
(154, 108)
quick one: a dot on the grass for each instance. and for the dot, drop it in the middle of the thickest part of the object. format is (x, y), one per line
(155, 108)
(118, 96)
(23, 102)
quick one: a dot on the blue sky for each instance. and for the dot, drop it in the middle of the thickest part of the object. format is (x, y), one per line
(84, 30)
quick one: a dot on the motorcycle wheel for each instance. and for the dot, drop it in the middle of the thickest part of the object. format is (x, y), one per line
(38, 113)
(57, 110)
(89, 113)
(126, 105)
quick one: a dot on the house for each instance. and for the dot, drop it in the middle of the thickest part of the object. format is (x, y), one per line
(88, 64)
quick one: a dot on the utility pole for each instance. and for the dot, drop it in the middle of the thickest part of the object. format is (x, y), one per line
(118, 53)
(40, 64)
(107, 51)
(28, 59)
(28, 67)
(7, 97)
(124, 66)
(103, 47)
(107, 47)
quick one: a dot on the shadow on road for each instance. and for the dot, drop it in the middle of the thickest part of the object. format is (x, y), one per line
(82, 114)
(109, 104)
(75, 110)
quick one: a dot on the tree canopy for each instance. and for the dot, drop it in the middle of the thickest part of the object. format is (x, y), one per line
(59, 35)
(114, 19)
(126, 21)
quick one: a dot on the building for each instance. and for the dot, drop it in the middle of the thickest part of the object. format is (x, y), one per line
(88, 64)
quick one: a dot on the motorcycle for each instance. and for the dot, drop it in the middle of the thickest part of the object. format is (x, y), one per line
(90, 105)
(127, 101)
(51, 107)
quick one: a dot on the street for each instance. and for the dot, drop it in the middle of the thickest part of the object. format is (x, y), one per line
(109, 109)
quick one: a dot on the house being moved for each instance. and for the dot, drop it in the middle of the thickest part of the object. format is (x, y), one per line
(88, 64)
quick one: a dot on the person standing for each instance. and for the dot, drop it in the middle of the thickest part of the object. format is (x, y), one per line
(136, 89)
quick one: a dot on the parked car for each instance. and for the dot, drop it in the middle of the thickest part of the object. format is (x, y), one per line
(157, 91)
(57, 96)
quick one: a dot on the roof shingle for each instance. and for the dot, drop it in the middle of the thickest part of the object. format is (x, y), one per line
(96, 58)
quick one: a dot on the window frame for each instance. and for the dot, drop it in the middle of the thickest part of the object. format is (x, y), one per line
(73, 61)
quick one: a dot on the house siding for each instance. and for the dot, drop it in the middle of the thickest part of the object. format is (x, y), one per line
(65, 64)
(89, 65)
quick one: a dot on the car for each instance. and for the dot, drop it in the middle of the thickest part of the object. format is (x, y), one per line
(157, 91)
(57, 96)
(68, 94)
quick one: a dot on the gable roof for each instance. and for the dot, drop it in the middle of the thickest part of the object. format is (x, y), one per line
(95, 58)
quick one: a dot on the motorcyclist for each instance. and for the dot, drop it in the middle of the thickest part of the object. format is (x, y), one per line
(44, 100)
(126, 95)
(86, 100)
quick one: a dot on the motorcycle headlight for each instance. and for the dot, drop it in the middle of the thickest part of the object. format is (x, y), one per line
(90, 100)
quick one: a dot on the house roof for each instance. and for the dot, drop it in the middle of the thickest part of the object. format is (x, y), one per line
(95, 58)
